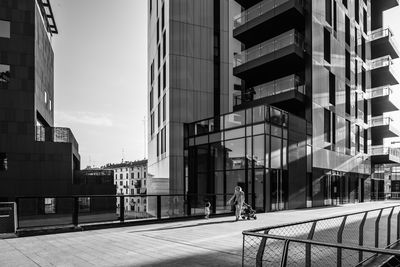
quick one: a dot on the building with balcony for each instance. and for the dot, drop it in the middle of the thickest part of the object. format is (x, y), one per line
(322, 64)
(37, 158)
(130, 179)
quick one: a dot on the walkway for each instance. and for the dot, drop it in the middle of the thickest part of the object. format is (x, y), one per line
(213, 242)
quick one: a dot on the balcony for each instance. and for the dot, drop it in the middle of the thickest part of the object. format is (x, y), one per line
(381, 100)
(268, 19)
(382, 72)
(279, 57)
(247, 3)
(382, 127)
(288, 91)
(56, 135)
(383, 44)
(382, 154)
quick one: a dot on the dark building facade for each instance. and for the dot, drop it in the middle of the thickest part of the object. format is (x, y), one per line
(38, 159)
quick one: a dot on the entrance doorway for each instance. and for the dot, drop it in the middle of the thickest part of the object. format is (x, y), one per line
(332, 190)
(278, 190)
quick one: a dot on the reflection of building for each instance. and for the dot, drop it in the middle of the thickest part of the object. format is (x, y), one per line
(41, 159)
(310, 85)
(130, 178)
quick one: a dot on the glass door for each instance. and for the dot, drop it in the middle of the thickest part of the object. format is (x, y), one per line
(278, 190)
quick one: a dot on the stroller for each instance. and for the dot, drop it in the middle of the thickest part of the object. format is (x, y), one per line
(248, 212)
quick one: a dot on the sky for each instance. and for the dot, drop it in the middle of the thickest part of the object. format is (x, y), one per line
(101, 76)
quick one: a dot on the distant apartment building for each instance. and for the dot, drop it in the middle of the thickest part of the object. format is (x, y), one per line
(37, 158)
(286, 98)
(130, 179)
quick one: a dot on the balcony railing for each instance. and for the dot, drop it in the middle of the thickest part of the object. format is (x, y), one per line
(383, 150)
(380, 121)
(379, 91)
(56, 135)
(256, 11)
(268, 47)
(381, 62)
(380, 33)
(286, 84)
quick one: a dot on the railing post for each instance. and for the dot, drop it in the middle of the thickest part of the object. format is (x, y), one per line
(285, 253)
(339, 240)
(261, 249)
(17, 212)
(308, 246)
(361, 235)
(398, 225)
(377, 229)
(389, 225)
(75, 211)
(158, 207)
(243, 249)
(121, 208)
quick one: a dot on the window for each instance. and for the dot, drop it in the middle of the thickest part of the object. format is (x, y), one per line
(4, 29)
(144, 175)
(347, 100)
(45, 97)
(162, 17)
(50, 105)
(365, 111)
(158, 30)
(327, 126)
(164, 108)
(334, 16)
(138, 175)
(344, 3)
(327, 45)
(363, 48)
(358, 138)
(347, 30)
(158, 86)
(164, 44)
(151, 99)
(152, 123)
(332, 88)
(328, 11)
(49, 205)
(363, 79)
(159, 115)
(356, 73)
(333, 128)
(152, 72)
(120, 183)
(365, 18)
(366, 141)
(348, 135)
(357, 10)
(347, 65)
(120, 176)
(4, 73)
(356, 105)
(164, 76)
(127, 176)
(151, 5)
(159, 56)
(158, 144)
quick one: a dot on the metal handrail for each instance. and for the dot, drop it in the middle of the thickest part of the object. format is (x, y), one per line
(379, 91)
(380, 33)
(381, 62)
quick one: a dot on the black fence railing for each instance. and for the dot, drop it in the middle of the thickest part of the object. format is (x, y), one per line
(356, 239)
(37, 212)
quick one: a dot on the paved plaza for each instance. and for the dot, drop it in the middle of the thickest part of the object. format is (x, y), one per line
(212, 242)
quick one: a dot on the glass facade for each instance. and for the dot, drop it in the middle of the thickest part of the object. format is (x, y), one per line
(248, 148)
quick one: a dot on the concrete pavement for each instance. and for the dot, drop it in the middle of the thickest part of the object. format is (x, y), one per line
(212, 242)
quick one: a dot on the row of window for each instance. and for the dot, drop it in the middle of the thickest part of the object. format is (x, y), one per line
(162, 142)
(121, 183)
(161, 115)
(132, 175)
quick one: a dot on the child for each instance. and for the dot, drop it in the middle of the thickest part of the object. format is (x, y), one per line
(207, 209)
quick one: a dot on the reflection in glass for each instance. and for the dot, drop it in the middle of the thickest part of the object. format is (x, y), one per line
(217, 151)
(234, 178)
(4, 73)
(258, 156)
(235, 154)
(258, 189)
(258, 114)
(275, 152)
(235, 119)
(4, 29)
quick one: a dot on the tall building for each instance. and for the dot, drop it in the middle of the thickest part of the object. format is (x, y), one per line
(37, 158)
(190, 48)
(309, 85)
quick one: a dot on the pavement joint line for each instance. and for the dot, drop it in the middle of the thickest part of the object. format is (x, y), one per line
(192, 245)
(27, 256)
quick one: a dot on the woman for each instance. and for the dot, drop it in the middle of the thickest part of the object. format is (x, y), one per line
(237, 199)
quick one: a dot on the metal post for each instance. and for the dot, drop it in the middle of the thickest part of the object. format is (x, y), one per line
(75, 211)
(398, 225)
(308, 246)
(18, 213)
(389, 225)
(361, 235)
(243, 250)
(377, 229)
(339, 240)
(285, 253)
(158, 207)
(261, 249)
(121, 208)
